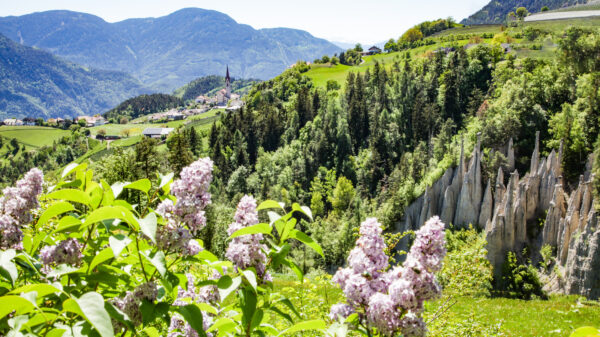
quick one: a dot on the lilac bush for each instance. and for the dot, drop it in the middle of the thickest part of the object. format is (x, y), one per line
(390, 302)
(15, 208)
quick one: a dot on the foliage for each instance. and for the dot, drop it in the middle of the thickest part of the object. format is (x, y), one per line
(93, 263)
(520, 280)
(466, 270)
(143, 105)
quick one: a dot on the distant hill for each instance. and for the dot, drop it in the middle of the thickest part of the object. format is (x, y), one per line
(170, 51)
(497, 10)
(34, 83)
(207, 85)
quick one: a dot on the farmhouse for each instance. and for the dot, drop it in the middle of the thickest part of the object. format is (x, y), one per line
(29, 121)
(92, 121)
(372, 51)
(157, 132)
(13, 122)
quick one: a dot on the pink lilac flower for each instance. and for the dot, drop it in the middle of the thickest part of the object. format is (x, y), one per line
(65, 252)
(191, 191)
(206, 294)
(15, 207)
(382, 314)
(130, 304)
(247, 250)
(412, 325)
(340, 310)
(392, 301)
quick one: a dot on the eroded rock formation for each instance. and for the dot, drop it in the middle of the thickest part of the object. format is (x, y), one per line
(528, 212)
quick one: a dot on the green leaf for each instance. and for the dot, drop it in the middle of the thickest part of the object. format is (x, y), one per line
(12, 303)
(61, 270)
(223, 325)
(290, 306)
(268, 204)
(256, 319)
(227, 285)
(91, 307)
(69, 194)
(151, 332)
(118, 242)
(261, 228)
(248, 302)
(72, 168)
(302, 209)
(165, 182)
(148, 226)
(105, 255)
(117, 188)
(306, 325)
(157, 260)
(250, 275)
(143, 185)
(294, 268)
(54, 210)
(111, 212)
(307, 240)
(282, 314)
(192, 314)
(42, 289)
(586, 331)
(67, 224)
(7, 267)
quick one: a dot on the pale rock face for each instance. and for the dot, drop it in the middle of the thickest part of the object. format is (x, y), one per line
(532, 211)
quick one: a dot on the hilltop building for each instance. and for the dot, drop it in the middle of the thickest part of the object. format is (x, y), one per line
(157, 132)
(223, 96)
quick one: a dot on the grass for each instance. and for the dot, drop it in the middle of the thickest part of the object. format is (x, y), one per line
(558, 316)
(33, 136)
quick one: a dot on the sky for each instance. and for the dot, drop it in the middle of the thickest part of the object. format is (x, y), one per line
(352, 21)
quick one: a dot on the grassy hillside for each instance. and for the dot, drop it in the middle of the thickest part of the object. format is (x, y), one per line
(458, 37)
(33, 136)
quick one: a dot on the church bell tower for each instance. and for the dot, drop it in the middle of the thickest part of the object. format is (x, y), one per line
(227, 84)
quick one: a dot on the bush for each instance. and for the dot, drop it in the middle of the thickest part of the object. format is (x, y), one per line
(466, 270)
(519, 280)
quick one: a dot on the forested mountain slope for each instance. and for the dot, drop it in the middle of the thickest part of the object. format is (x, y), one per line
(38, 84)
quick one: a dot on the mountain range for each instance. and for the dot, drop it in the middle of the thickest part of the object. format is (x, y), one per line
(167, 52)
(35, 83)
(497, 10)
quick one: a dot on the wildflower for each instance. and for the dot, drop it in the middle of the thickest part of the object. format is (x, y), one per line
(382, 314)
(207, 294)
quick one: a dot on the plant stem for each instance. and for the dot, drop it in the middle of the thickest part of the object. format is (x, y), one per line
(137, 245)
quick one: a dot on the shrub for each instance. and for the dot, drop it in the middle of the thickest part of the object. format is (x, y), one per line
(466, 270)
(519, 280)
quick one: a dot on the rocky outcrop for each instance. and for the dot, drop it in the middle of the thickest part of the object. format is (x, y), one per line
(528, 212)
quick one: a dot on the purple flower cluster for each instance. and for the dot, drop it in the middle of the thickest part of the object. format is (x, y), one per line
(191, 191)
(392, 301)
(65, 252)
(130, 304)
(15, 207)
(206, 294)
(247, 250)
(367, 262)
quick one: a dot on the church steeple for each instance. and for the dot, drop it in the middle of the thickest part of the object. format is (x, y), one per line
(227, 83)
